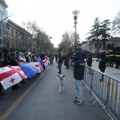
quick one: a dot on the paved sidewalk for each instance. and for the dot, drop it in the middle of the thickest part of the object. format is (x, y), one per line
(45, 103)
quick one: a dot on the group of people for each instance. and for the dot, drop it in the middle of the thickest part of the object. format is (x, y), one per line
(113, 59)
(62, 58)
(79, 65)
(17, 58)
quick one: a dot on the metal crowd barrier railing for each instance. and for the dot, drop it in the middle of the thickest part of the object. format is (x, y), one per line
(105, 90)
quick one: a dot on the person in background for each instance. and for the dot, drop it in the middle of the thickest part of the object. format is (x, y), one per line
(66, 61)
(79, 65)
(21, 58)
(60, 61)
(56, 57)
(102, 64)
(27, 57)
(13, 62)
(89, 62)
(51, 58)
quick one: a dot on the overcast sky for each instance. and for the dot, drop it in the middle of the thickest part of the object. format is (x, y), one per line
(55, 16)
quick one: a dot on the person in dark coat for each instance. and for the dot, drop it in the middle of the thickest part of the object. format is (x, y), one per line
(79, 65)
(66, 61)
(89, 60)
(102, 64)
(60, 61)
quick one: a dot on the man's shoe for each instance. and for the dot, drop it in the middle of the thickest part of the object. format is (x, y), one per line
(78, 102)
(75, 100)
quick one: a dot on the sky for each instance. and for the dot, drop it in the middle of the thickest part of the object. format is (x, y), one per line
(55, 16)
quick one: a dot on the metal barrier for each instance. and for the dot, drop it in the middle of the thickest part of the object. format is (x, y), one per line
(105, 90)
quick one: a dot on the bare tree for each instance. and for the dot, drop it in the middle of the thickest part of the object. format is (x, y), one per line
(66, 42)
(40, 38)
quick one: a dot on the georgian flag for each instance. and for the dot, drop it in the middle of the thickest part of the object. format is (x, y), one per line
(10, 76)
(20, 70)
(32, 67)
(47, 58)
(38, 66)
(21, 59)
(46, 62)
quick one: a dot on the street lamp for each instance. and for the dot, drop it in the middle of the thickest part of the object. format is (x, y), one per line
(75, 13)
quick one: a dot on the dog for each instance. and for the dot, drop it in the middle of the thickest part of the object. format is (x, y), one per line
(61, 82)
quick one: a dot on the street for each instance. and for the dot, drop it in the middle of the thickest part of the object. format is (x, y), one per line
(42, 100)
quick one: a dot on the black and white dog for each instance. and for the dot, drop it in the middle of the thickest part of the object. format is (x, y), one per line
(61, 82)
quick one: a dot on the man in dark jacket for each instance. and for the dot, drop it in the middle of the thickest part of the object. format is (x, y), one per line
(102, 65)
(79, 65)
(60, 61)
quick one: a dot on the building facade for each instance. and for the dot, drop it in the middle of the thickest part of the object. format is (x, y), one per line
(18, 37)
(92, 46)
(3, 24)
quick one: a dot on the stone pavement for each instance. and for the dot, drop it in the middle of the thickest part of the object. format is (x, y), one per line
(45, 103)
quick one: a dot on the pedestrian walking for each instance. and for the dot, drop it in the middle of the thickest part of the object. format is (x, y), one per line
(79, 65)
(60, 61)
(56, 57)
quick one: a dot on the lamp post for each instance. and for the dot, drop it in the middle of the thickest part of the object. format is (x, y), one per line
(75, 13)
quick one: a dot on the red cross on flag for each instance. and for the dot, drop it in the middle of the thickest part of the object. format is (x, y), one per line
(38, 66)
(10, 76)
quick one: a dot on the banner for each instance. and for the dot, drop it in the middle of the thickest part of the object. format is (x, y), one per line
(38, 66)
(28, 70)
(46, 62)
(10, 76)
